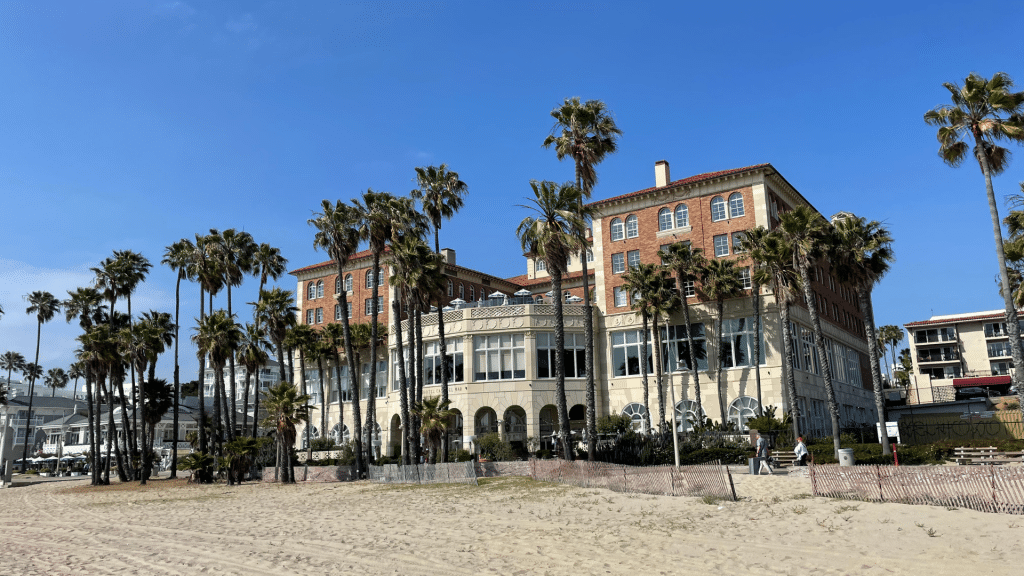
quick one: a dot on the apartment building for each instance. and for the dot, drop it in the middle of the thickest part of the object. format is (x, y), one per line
(500, 339)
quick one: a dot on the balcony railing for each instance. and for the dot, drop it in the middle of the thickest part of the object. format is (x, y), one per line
(499, 311)
(943, 357)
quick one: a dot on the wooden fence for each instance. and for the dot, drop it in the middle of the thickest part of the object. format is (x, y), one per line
(449, 473)
(986, 488)
(711, 479)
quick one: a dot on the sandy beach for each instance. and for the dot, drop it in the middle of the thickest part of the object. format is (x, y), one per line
(503, 526)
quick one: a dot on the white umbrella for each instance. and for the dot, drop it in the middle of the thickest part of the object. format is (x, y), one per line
(523, 292)
(448, 309)
(496, 295)
(457, 302)
(574, 299)
(550, 293)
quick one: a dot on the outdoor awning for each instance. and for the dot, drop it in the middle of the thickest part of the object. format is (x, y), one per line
(981, 381)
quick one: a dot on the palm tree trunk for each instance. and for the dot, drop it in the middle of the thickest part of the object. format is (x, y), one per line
(719, 322)
(563, 408)
(245, 403)
(444, 354)
(419, 384)
(341, 403)
(224, 409)
(323, 396)
(353, 383)
(643, 373)
(588, 339)
(92, 429)
(133, 438)
(1012, 326)
(371, 401)
(756, 289)
(787, 348)
(203, 440)
(658, 372)
(864, 295)
(415, 367)
(177, 381)
(231, 373)
(403, 393)
(31, 395)
(819, 341)
(111, 434)
(125, 466)
(693, 351)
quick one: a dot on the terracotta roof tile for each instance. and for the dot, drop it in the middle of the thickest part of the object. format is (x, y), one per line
(525, 282)
(688, 180)
(1000, 315)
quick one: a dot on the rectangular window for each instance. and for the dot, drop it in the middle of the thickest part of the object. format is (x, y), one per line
(499, 357)
(346, 387)
(675, 348)
(573, 360)
(380, 305)
(942, 373)
(633, 259)
(432, 362)
(618, 263)
(1001, 368)
(737, 343)
(737, 242)
(381, 383)
(309, 316)
(319, 315)
(620, 297)
(590, 255)
(626, 353)
(745, 278)
(721, 245)
(337, 310)
(992, 330)
(998, 349)
(689, 289)
(949, 335)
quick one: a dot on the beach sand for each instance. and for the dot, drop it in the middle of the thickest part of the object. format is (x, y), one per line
(504, 526)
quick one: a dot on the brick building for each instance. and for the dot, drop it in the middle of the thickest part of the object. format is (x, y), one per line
(502, 376)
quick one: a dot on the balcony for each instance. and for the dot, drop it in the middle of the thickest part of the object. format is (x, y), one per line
(938, 357)
(502, 316)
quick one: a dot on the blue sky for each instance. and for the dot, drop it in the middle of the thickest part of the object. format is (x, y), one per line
(129, 125)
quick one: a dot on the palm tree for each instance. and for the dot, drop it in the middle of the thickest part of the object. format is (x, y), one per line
(753, 244)
(45, 307)
(775, 269)
(986, 111)
(99, 352)
(177, 257)
(275, 313)
(203, 267)
(586, 133)
(236, 250)
(216, 336)
(157, 332)
(333, 335)
(320, 350)
(11, 361)
(721, 280)
(431, 286)
(441, 193)
(338, 235)
(862, 255)
(806, 232)
(434, 415)
(301, 338)
(132, 268)
(889, 338)
(286, 407)
(56, 378)
(639, 283)
(381, 218)
(75, 372)
(554, 234)
(156, 402)
(252, 354)
(687, 264)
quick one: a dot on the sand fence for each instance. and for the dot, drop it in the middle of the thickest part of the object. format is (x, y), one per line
(986, 488)
(712, 479)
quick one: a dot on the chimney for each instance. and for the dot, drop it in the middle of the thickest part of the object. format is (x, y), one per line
(448, 255)
(661, 177)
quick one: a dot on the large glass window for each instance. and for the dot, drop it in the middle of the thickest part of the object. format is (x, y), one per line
(675, 347)
(337, 310)
(664, 219)
(432, 362)
(943, 373)
(310, 291)
(320, 289)
(947, 334)
(382, 375)
(736, 205)
(996, 349)
(573, 360)
(617, 231)
(620, 297)
(632, 226)
(717, 209)
(742, 409)
(618, 263)
(369, 308)
(687, 414)
(737, 343)
(682, 216)
(309, 316)
(319, 315)
(633, 259)
(721, 245)
(499, 357)
(745, 278)
(992, 330)
(1001, 368)
(637, 414)
(626, 353)
(737, 242)
(348, 283)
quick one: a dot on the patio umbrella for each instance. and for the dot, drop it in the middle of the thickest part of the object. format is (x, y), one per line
(523, 292)
(458, 302)
(574, 299)
(496, 294)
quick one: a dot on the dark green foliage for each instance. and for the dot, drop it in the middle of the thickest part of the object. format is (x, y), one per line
(321, 444)
(200, 464)
(494, 448)
(460, 455)
(614, 424)
(769, 423)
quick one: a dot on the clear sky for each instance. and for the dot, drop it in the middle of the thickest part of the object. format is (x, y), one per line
(132, 124)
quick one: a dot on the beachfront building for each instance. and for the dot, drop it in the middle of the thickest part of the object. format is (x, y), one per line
(45, 410)
(266, 376)
(500, 337)
(959, 351)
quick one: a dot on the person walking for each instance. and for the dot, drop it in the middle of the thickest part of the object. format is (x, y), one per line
(762, 453)
(800, 451)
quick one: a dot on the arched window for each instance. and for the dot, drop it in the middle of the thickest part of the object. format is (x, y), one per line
(717, 209)
(348, 283)
(637, 413)
(664, 219)
(742, 409)
(632, 226)
(320, 289)
(736, 205)
(617, 231)
(340, 434)
(313, 434)
(541, 265)
(462, 291)
(310, 291)
(686, 415)
(682, 216)
(337, 285)
(369, 279)
(380, 282)
(451, 289)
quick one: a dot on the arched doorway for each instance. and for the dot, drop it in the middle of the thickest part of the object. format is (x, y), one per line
(578, 421)
(548, 426)
(314, 433)
(515, 425)
(395, 436)
(455, 432)
(486, 421)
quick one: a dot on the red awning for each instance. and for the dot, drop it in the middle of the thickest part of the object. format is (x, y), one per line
(981, 381)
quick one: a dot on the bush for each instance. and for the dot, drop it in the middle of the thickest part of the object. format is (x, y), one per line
(769, 423)
(322, 444)
(872, 454)
(614, 424)
(543, 454)
(460, 455)
(494, 448)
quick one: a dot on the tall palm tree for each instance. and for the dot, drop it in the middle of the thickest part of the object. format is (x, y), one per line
(286, 407)
(587, 133)
(807, 233)
(687, 264)
(132, 270)
(204, 268)
(11, 361)
(301, 338)
(75, 372)
(434, 415)
(252, 354)
(381, 219)
(236, 250)
(986, 111)
(178, 257)
(889, 338)
(216, 336)
(276, 314)
(639, 284)
(862, 255)
(99, 352)
(337, 233)
(721, 280)
(45, 306)
(319, 352)
(775, 269)
(333, 335)
(441, 192)
(753, 244)
(553, 234)
(56, 378)
(157, 332)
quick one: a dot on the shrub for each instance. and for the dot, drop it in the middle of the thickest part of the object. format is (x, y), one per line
(614, 424)
(769, 423)
(321, 444)
(494, 448)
